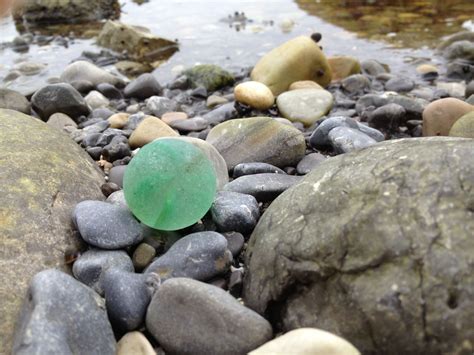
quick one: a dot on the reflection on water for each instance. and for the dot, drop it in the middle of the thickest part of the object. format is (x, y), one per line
(403, 23)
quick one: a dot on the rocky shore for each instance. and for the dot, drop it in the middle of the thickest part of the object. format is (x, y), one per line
(340, 222)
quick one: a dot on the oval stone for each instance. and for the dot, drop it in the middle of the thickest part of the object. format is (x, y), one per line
(169, 184)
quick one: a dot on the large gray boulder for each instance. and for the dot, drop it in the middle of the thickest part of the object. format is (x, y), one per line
(376, 246)
(65, 11)
(43, 175)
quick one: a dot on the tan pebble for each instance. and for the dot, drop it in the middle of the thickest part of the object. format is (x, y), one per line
(426, 68)
(215, 100)
(343, 66)
(254, 94)
(306, 341)
(305, 84)
(440, 115)
(118, 120)
(169, 117)
(143, 255)
(148, 130)
(134, 343)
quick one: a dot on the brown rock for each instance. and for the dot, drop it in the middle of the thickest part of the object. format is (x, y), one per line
(254, 94)
(343, 66)
(440, 115)
(118, 120)
(148, 130)
(134, 343)
(305, 84)
(169, 117)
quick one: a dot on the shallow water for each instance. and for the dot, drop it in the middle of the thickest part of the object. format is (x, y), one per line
(206, 34)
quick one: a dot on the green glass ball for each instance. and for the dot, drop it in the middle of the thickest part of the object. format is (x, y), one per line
(169, 184)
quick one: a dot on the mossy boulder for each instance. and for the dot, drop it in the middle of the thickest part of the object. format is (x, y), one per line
(138, 42)
(296, 60)
(43, 175)
(210, 76)
(375, 246)
(463, 127)
(65, 11)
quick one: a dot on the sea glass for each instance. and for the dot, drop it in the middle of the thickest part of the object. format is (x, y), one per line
(169, 184)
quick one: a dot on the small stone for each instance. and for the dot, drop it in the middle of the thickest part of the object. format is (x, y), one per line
(235, 242)
(134, 343)
(218, 313)
(117, 198)
(127, 296)
(387, 117)
(13, 100)
(309, 162)
(53, 319)
(194, 124)
(427, 71)
(464, 126)
(400, 84)
(343, 66)
(109, 91)
(159, 105)
(91, 266)
(142, 256)
(86, 71)
(453, 89)
(60, 121)
(371, 132)
(143, 87)
(199, 256)
(305, 105)
(236, 280)
(264, 187)
(214, 100)
(169, 117)
(255, 168)
(102, 112)
(356, 84)
(116, 175)
(257, 139)
(320, 136)
(118, 120)
(106, 226)
(59, 98)
(109, 188)
(96, 100)
(235, 212)
(149, 129)
(373, 67)
(440, 115)
(306, 341)
(305, 84)
(169, 184)
(118, 148)
(254, 94)
(220, 114)
(345, 139)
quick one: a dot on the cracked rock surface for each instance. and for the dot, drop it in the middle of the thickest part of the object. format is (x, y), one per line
(375, 246)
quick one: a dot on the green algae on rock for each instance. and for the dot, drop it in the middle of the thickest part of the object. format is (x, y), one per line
(210, 76)
(169, 184)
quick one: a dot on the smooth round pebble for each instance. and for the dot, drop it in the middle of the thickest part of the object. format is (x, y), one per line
(134, 343)
(254, 94)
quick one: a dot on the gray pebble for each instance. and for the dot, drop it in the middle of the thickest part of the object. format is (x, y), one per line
(309, 162)
(143, 87)
(255, 168)
(345, 139)
(320, 139)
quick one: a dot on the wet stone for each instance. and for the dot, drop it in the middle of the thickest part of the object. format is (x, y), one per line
(255, 168)
(309, 162)
(345, 139)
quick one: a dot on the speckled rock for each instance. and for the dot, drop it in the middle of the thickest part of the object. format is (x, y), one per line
(394, 231)
(257, 139)
(218, 314)
(49, 174)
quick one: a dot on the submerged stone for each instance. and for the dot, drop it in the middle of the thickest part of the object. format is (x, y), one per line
(170, 184)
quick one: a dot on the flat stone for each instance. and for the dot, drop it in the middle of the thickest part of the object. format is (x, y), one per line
(60, 121)
(106, 226)
(56, 294)
(356, 84)
(169, 117)
(42, 177)
(309, 163)
(235, 212)
(59, 98)
(305, 341)
(221, 113)
(149, 129)
(264, 187)
(257, 139)
(159, 105)
(143, 87)
(194, 124)
(134, 343)
(400, 84)
(255, 168)
(218, 313)
(91, 266)
(85, 71)
(345, 139)
(200, 256)
(305, 84)
(305, 105)
(254, 94)
(215, 100)
(13, 100)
